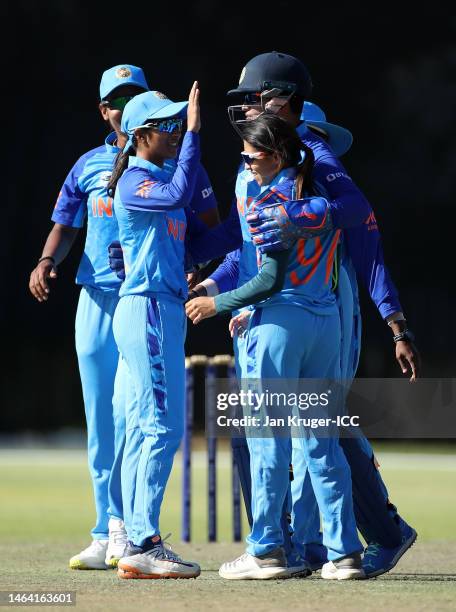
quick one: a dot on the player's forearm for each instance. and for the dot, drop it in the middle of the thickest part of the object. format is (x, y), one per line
(268, 281)
(59, 242)
(364, 247)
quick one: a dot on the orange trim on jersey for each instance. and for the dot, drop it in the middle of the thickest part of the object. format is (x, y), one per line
(332, 251)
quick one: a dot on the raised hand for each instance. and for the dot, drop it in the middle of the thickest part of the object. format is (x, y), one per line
(193, 109)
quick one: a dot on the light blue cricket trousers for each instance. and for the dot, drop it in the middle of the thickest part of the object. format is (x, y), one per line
(291, 342)
(98, 356)
(305, 513)
(150, 335)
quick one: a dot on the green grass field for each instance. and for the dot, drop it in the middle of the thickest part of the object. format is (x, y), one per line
(46, 513)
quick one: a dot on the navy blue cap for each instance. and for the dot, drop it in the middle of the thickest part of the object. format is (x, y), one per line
(274, 70)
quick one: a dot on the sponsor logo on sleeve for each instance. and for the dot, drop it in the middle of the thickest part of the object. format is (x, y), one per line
(335, 175)
(207, 192)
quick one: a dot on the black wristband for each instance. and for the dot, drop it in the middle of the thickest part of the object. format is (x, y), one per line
(404, 335)
(192, 294)
(46, 257)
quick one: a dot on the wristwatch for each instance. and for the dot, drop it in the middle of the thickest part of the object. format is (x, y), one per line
(406, 335)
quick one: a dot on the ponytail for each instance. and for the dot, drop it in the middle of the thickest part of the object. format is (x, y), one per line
(120, 165)
(303, 179)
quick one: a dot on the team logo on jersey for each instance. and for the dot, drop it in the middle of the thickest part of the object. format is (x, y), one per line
(160, 95)
(371, 222)
(123, 72)
(104, 179)
(241, 78)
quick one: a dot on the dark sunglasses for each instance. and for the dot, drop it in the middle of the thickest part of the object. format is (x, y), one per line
(117, 103)
(165, 125)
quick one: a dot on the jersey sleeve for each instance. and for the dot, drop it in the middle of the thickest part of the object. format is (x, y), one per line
(347, 204)
(138, 190)
(71, 206)
(203, 195)
(268, 281)
(206, 244)
(226, 276)
(363, 245)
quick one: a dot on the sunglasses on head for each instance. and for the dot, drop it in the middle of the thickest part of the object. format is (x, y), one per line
(117, 103)
(250, 157)
(164, 125)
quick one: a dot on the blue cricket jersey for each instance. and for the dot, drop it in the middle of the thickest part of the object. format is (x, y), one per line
(362, 253)
(84, 195)
(203, 195)
(309, 273)
(149, 204)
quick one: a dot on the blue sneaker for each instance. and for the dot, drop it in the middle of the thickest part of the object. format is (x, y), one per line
(297, 566)
(316, 556)
(378, 559)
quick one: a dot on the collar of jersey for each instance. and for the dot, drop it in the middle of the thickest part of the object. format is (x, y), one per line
(286, 173)
(162, 174)
(110, 148)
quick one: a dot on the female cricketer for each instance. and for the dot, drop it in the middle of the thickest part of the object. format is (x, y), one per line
(149, 322)
(84, 196)
(293, 334)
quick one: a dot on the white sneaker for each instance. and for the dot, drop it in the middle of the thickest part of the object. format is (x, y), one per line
(158, 562)
(92, 557)
(117, 542)
(347, 568)
(248, 567)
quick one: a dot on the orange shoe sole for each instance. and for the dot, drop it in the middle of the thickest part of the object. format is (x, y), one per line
(131, 573)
